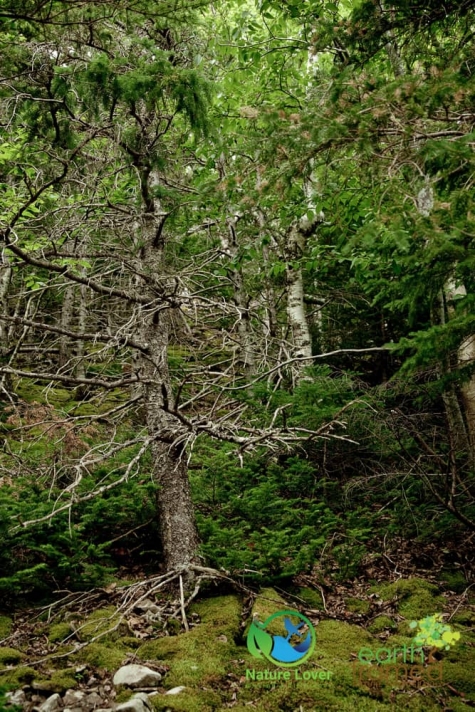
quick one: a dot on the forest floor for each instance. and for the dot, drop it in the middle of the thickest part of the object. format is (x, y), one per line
(79, 642)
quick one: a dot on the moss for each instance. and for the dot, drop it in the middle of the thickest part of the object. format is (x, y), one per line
(59, 681)
(129, 642)
(311, 597)
(357, 605)
(18, 676)
(100, 621)
(102, 656)
(201, 656)
(59, 632)
(381, 623)
(188, 701)
(6, 625)
(415, 598)
(465, 617)
(123, 695)
(454, 581)
(10, 656)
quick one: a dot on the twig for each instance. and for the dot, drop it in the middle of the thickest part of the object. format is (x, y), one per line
(182, 605)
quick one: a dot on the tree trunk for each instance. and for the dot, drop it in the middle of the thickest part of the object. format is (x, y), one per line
(177, 526)
(465, 357)
(67, 315)
(5, 279)
(82, 322)
(295, 294)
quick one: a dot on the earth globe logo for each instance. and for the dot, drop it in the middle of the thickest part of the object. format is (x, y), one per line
(290, 649)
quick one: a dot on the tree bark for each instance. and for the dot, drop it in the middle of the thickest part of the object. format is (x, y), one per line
(5, 279)
(178, 534)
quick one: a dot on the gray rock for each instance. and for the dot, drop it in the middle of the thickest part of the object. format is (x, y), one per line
(92, 701)
(136, 676)
(148, 605)
(175, 690)
(52, 704)
(16, 698)
(137, 703)
(73, 698)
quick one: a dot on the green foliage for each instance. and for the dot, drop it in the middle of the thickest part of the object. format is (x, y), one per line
(74, 551)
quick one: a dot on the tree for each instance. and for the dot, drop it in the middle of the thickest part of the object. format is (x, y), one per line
(106, 113)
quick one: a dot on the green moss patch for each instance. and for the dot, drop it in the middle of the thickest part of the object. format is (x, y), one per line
(59, 681)
(454, 581)
(202, 656)
(17, 676)
(357, 605)
(99, 622)
(188, 701)
(6, 625)
(59, 632)
(415, 598)
(381, 623)
(311, 597)
(10, 656)
(102, 656)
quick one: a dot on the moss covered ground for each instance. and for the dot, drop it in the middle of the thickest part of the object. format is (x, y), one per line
(213, 665)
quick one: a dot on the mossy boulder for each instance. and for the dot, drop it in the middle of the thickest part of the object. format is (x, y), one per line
(10, 656)
(415, 598)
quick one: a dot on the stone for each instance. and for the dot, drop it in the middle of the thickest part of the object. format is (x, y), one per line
(52, 704)
(16, 698)
(175, 690)
(136, 676)
(73, 698)
(148, 605)
(92, 701)
(137, 703)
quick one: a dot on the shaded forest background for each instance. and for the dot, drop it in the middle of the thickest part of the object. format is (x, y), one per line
(237, 250)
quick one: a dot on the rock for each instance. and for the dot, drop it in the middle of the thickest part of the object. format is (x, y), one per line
(16, 698)
(175, 690)
(148, 605)
(92, 701)
(137, 703)
(73, 698)
(136, 676)
(73, 709)
(52, 704)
